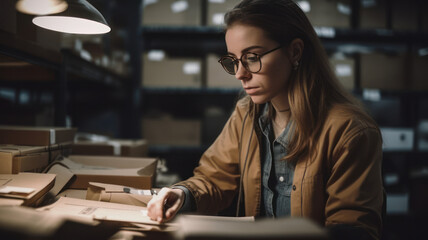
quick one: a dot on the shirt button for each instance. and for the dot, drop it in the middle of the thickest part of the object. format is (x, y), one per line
(281, 179)
(294, 187)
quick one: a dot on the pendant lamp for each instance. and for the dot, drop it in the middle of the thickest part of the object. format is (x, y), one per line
(41, 7)
(79, 18)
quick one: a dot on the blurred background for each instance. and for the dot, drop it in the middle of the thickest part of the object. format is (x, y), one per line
(155, 76)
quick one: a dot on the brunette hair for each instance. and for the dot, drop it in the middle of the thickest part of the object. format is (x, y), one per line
(313, 87)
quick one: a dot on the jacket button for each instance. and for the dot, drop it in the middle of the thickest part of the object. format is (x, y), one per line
(294, 187)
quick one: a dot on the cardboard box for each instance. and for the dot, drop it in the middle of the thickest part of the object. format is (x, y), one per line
(170, 131)
(419, 72)
(118, 194)
(15, 159)
(328, 13)
(344, 69)
(113, 147)
(29, 187)
(217, 77)
(381, 71)
(27, 223)
(372, 14)
(217, 9)
(404, 15)
(36, 136)
(172, 13)
(160, 70)
(8, 16)
(129, 171)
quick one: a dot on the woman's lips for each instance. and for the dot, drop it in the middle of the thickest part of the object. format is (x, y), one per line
(251, 90)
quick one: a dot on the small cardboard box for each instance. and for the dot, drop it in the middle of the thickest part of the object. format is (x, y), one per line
(419, 72)
(29, 187)
(181, 72)
(172, 13)
(328, 13)
(382, 71)
(15, 159)
(373, 14)
(344, 69)
(170, 131)
(113, 147)
(129, 171)
(404, 15)
(8, 16)
(217, 9)
(217, 77)
(36, 136)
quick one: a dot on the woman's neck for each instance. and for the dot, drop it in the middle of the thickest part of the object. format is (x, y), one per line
(282, 114)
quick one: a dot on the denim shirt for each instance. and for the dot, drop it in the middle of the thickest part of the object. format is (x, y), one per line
(277, 174)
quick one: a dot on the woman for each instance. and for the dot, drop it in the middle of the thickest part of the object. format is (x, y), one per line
(297, 145)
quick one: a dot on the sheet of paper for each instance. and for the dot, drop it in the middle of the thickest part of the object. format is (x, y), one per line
(16, 190)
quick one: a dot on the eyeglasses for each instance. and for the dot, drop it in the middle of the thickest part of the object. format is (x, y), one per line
(250, 61)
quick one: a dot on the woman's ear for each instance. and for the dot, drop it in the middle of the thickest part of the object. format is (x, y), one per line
(295, 50)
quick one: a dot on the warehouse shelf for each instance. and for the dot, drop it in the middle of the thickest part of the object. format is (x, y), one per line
(202, 90)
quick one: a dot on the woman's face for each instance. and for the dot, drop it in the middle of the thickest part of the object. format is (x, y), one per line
(269, 84)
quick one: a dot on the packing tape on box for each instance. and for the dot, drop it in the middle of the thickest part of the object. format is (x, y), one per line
(52, 134)
(116, 147)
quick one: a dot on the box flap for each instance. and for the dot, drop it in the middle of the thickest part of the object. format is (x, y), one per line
(26, 186)
(27, 223)
(108, 187)
(102, 211)
(118, 194)
(63, 176)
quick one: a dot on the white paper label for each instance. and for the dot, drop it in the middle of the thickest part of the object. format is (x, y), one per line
(343, 70)
(191, 68)
(179, 6)
(156, 55)
(218, 18)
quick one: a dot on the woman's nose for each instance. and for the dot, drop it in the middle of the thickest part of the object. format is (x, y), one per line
(242, 73)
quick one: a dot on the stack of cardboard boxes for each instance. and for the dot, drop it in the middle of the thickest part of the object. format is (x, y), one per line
(38, 170)
(38, 160)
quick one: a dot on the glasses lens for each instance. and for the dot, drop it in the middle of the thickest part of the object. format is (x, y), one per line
(251, 62)
(228, 64)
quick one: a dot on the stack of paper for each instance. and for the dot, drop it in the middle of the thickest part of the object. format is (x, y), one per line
(205, 227)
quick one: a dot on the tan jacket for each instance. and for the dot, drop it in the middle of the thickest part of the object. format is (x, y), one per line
(342, 184)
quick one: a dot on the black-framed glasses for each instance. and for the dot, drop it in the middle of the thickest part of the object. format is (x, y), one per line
(251, 61)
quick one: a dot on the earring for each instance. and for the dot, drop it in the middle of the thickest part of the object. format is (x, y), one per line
(295, 65)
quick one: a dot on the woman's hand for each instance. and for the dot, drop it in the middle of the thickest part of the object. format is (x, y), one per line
(164, 206)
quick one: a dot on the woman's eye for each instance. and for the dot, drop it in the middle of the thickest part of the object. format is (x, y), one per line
(251, 59)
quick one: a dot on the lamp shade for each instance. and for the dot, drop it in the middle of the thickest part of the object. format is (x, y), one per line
(41, 7)
(79, 18)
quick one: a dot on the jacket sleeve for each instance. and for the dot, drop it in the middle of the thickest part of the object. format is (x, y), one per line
(354, 187)
(216, 179)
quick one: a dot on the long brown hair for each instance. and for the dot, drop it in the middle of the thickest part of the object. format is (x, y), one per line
(313, 88)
